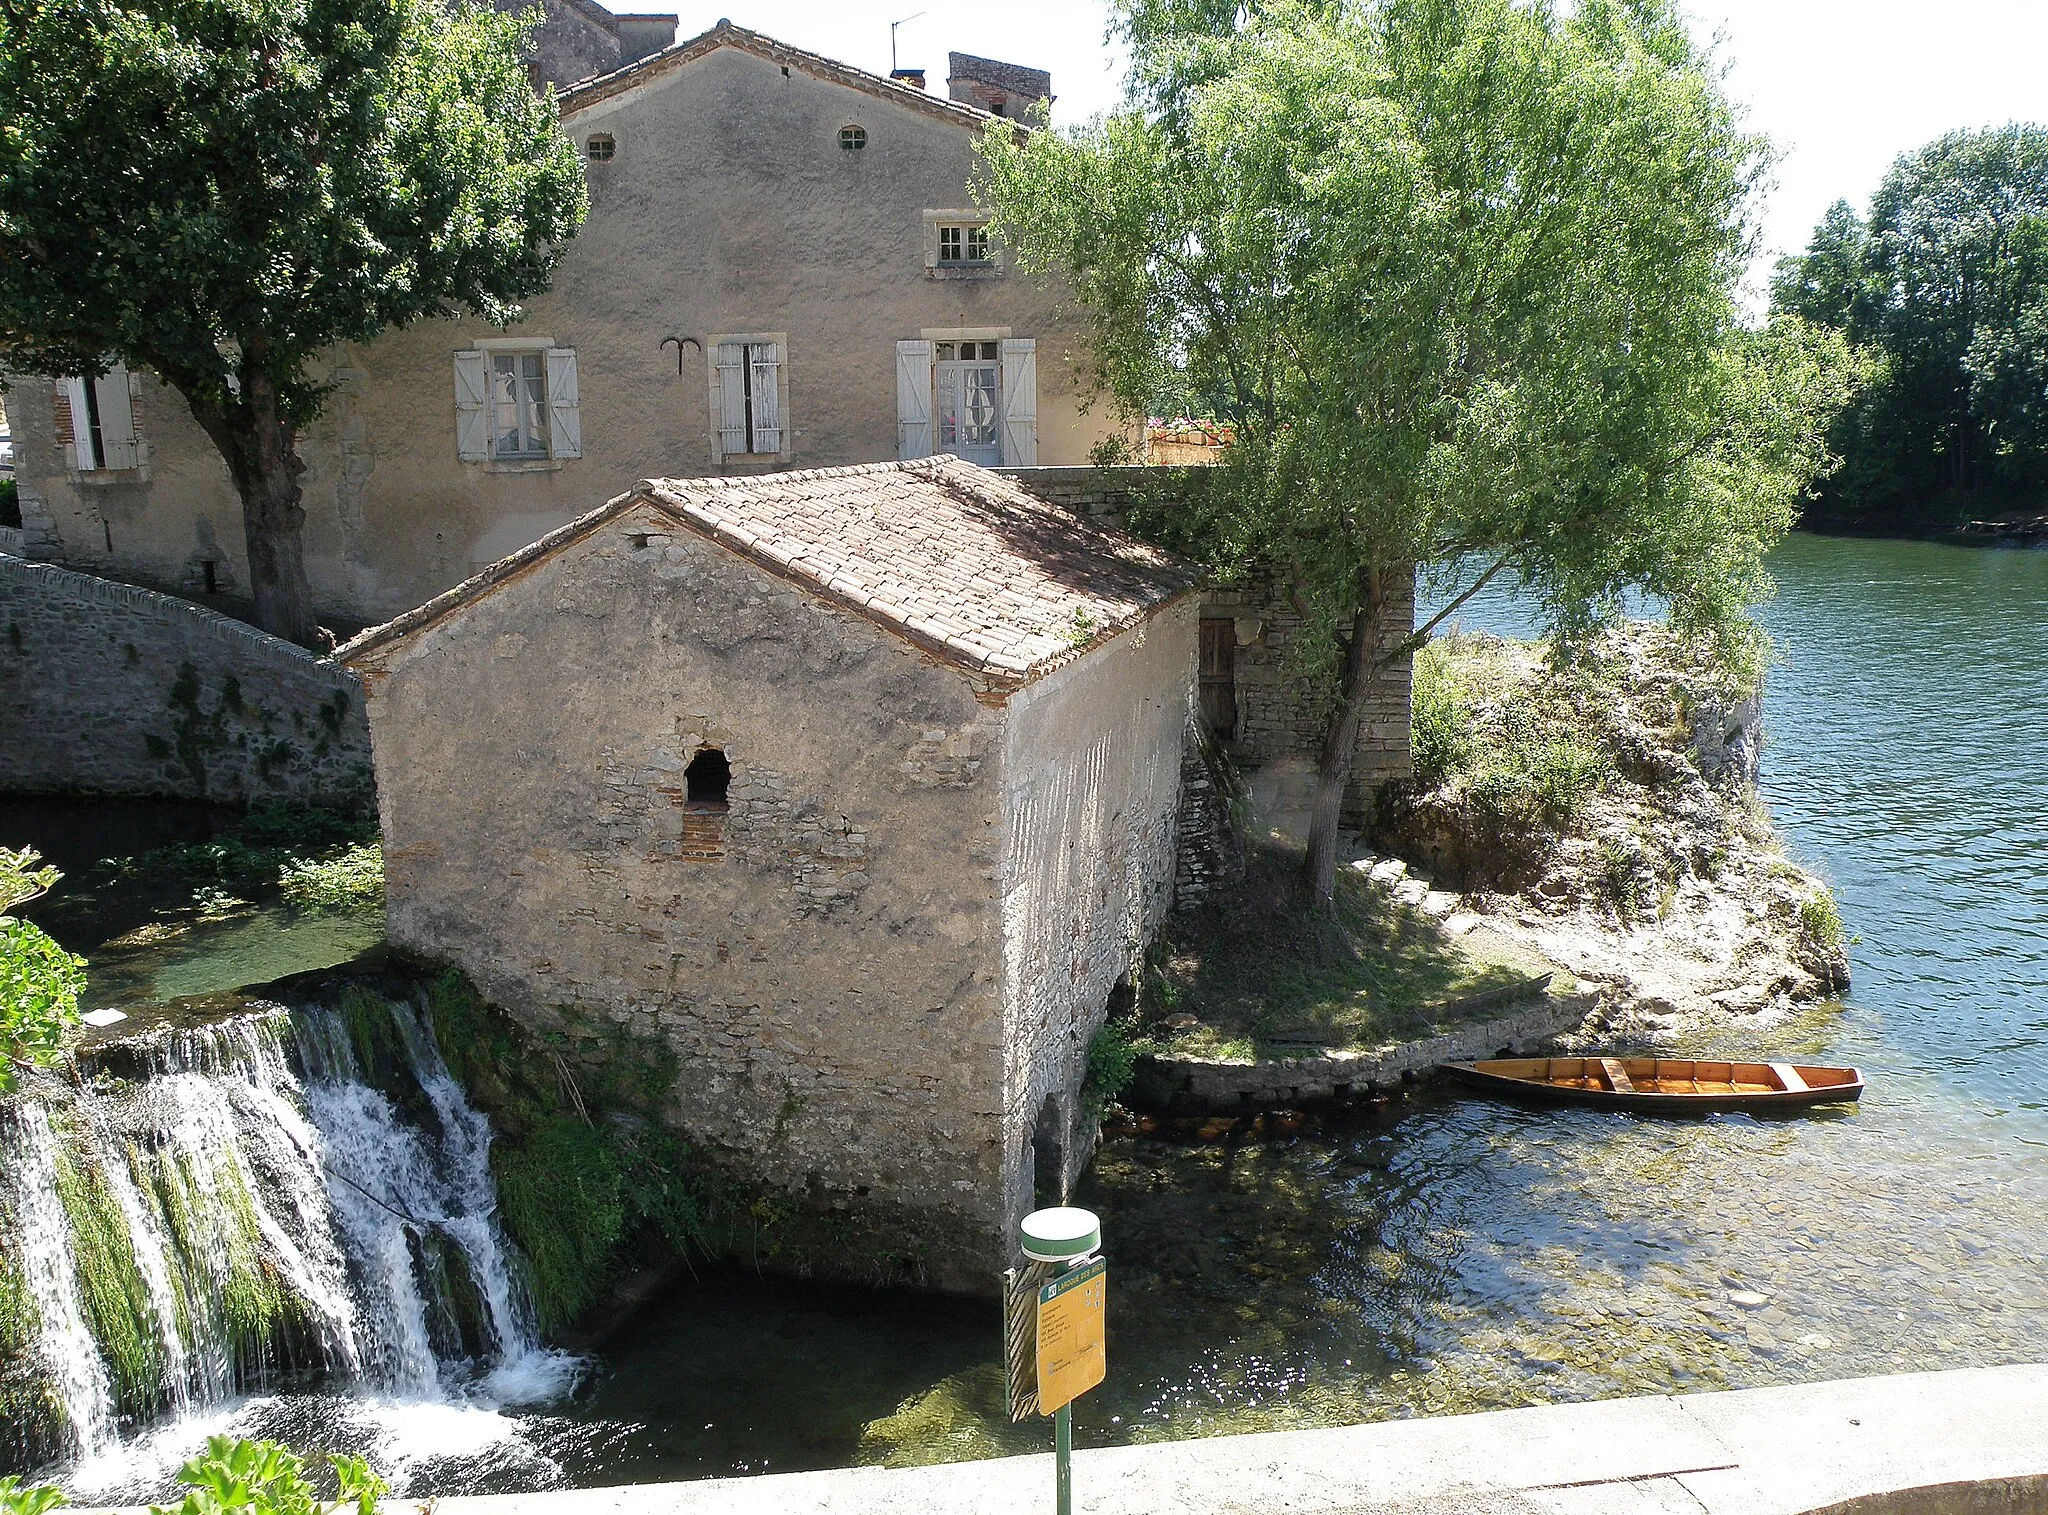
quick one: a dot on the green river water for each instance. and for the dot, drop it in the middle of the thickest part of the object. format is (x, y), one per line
(1455, 1254)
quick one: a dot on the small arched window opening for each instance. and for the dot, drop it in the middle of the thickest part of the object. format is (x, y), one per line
(853, 138)
(601, 147)
(708, 777)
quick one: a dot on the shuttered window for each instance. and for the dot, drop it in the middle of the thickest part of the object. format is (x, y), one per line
(749, 397)
(96, 418)
(977, 400)
(515, 405)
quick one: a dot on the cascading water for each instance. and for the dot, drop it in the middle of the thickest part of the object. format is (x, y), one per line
(255, 1205)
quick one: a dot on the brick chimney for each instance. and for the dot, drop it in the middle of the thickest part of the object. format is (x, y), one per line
(1001, 89)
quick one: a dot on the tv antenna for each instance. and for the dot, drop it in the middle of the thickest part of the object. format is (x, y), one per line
(893, 64)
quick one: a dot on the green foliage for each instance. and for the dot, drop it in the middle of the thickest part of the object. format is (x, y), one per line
(1112, 1060)
(10, 504)
(16, 1499)
(1440, 724)
(267, 178)
(240, 1477)
(39, 981)
(1460, 276)
(1821, 923)
(315, 859)
(585, 1184)
(111, 1287)
(351, 877)
(1947, 280)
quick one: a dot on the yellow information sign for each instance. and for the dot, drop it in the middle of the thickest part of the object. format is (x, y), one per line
(1071, 1360)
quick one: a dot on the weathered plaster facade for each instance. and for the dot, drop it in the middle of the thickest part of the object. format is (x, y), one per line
(723, 207)
(890, 947)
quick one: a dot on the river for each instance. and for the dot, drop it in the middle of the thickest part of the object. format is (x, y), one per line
(1456, 1254)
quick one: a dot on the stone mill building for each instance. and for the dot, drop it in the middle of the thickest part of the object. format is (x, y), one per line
(856, 787)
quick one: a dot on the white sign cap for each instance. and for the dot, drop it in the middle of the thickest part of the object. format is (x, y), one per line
(1061, 1235)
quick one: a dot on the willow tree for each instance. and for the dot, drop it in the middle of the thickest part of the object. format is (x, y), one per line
(1460, 274)
(218, 190)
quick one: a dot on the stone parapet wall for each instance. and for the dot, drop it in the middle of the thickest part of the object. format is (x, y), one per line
(109, 689)
(1204, 1086)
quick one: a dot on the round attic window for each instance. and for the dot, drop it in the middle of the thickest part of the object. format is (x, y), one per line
(853, 138)
(601, 147)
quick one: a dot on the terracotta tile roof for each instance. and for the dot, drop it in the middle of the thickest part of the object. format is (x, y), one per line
(588, 92)
(952, 557)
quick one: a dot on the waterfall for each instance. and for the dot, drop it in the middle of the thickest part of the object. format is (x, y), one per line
(257, 1204)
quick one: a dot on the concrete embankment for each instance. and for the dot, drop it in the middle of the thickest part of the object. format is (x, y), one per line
(1956, 1443)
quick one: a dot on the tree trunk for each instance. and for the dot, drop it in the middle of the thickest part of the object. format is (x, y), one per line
(262, 457)
(1340, 743)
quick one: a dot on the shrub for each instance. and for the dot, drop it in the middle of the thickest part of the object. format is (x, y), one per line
(39, 981)
(10, 504)
(236, 1477)
(1440, 723)
(32, 1500)
(1821, 923)
(352, 876)
(1112, 1059)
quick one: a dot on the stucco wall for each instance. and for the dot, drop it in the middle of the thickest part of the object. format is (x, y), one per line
(728, 209)
(828, 981)
(109, 689)
(1091, 782)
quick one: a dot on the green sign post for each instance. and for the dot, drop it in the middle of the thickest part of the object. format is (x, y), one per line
(1067, 1327)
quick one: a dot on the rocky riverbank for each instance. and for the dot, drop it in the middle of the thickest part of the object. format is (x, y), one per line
(1607, 817)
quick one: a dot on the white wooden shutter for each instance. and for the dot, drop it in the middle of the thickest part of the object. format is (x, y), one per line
(565, 409)
(1020, 403)
(766, 358)
(732, 398)
(78, 453)
(472, 406)
(913, 399)
(117, 418)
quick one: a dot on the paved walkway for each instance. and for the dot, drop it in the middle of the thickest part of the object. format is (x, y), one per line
(1968, 1442)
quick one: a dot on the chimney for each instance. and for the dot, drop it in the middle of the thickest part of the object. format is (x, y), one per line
(914, 77)
(1001, 89)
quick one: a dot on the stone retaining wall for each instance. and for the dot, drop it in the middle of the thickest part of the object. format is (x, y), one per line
(1200, 1086)
(109, 689)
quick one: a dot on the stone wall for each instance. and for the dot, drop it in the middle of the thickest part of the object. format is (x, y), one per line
(109, 689)
(1091, 784)
(1277, 738)
(817, 967)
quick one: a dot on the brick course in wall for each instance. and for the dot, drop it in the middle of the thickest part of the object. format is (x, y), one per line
(109, 689)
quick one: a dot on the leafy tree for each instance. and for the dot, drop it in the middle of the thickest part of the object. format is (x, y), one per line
(1947, 279)
(39, 980)
(219, 190)
(1459, 273)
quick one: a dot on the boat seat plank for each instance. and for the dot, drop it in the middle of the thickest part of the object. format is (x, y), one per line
(1788, 1078)
(1617, 1076)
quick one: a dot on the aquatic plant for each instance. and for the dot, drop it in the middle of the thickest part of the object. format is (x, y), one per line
(111, 1288)
(1112, 1060)
(34, 1499)
(39, 981)
(352, 876)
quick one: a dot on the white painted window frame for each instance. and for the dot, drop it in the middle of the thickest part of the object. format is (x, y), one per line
(1017, 386)
(934, 219)
(562, 398)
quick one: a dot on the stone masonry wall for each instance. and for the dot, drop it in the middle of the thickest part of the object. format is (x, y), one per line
(1091, 782)
(1277, 738)
(818, 967)
(109, 689)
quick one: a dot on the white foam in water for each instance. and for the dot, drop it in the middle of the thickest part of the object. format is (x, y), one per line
(42, 1250)
(342, 1190)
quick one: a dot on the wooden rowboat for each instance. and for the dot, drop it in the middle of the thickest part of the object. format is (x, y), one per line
(1661, 1085)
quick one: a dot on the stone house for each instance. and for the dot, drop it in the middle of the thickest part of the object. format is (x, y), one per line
(783, 269)
(854, 788)
(580, 39)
